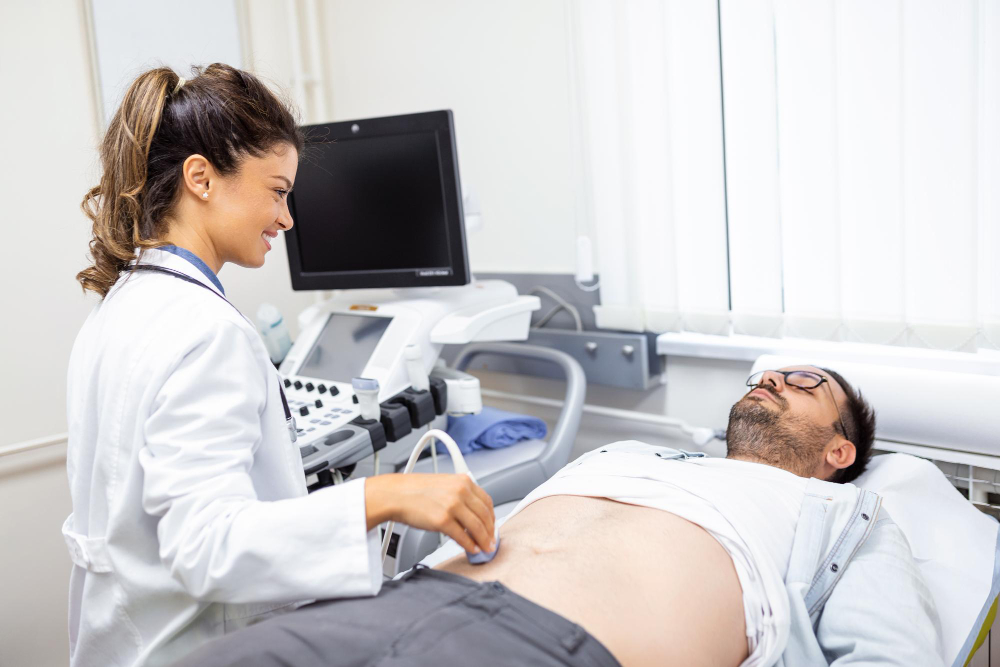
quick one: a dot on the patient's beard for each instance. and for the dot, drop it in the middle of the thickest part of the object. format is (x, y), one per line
(779, 439)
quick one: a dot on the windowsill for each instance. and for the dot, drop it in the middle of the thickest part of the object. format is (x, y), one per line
(747, 348)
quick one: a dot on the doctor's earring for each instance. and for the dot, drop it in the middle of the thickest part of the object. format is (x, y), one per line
(204, 195)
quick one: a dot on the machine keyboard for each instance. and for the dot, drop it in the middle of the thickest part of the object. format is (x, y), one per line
(330, 432)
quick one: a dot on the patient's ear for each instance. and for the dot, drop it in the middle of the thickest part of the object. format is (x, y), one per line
(842, 455)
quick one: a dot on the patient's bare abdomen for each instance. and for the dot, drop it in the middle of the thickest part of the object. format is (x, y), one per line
(655, 589)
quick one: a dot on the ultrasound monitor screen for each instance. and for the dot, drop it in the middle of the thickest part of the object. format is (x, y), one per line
(343, 348)
(384, 205)
(377, 203)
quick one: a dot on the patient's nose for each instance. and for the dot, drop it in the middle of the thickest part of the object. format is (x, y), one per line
(773, 378)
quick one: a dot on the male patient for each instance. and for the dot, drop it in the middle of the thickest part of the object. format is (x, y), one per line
(641, 555)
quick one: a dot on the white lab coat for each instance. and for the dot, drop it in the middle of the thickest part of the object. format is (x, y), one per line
(190, 512)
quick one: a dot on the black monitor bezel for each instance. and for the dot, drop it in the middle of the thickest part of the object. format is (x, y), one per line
(443, 126)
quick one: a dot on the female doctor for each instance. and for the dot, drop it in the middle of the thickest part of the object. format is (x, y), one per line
(190, 512)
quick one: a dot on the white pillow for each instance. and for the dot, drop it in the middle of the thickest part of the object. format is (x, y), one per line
(954, 544)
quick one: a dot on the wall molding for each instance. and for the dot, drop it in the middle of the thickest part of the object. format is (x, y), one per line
(31, 445)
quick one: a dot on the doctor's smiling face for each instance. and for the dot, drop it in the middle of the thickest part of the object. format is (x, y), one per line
(205, 164)
(242, 212)
(803, 419)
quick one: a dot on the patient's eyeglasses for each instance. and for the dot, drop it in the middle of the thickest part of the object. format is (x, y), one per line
(802, 380)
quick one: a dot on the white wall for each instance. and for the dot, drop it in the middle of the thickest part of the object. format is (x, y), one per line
(47, 133)
(502, 67)
(125, 47)
(48, 126)
(34, 566)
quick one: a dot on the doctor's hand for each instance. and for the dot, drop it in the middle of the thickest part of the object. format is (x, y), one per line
(450, 504)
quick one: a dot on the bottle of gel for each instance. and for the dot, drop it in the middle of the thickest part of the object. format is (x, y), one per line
(273, 331)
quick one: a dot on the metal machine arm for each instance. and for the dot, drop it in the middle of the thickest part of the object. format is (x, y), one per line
(556, 453)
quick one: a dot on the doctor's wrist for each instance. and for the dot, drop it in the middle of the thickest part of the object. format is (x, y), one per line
(379, 500)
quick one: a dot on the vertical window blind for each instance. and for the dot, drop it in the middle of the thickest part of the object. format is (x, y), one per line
(825, 169)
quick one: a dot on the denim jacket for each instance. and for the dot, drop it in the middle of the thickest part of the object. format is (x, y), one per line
(862, 600)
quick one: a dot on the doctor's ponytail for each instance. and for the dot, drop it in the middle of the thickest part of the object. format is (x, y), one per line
(114, 205)
(223, 114)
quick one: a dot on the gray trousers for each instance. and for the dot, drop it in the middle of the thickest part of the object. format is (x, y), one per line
(428, 617)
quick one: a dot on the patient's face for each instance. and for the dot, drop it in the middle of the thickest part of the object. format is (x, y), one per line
(785, 426)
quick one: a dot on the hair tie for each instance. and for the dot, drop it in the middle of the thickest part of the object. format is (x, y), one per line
(180, 82)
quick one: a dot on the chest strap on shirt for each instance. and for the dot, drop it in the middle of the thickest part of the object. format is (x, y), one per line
(90, 553)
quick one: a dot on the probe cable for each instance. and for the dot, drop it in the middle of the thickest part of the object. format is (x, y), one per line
(457, 461)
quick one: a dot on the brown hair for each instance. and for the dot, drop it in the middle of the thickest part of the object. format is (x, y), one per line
(859, 420)
(223, 114)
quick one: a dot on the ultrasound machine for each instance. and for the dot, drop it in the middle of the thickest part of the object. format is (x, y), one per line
(378, 218)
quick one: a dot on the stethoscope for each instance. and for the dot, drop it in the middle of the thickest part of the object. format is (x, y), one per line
(289, 419)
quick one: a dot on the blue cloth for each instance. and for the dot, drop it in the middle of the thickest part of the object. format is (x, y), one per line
(194, 259)
(493, 429)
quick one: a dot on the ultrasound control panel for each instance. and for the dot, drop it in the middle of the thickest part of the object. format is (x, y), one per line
(332, 434)
(318, 404)
(393, 338)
